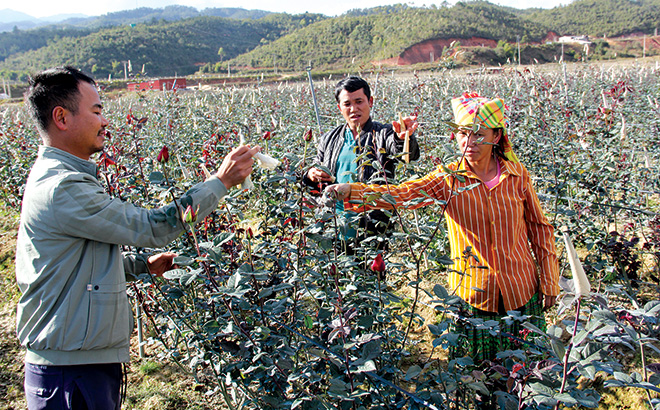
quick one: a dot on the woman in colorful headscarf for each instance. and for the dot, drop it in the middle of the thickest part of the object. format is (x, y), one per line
(502, 245)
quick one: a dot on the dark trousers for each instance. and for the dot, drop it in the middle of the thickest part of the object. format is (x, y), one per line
(79, 387)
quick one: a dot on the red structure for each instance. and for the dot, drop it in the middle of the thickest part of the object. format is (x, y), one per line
(159, 84)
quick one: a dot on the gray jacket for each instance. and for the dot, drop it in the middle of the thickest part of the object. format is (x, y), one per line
(69, 265)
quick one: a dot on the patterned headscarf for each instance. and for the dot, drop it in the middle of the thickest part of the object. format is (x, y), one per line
(472, 108)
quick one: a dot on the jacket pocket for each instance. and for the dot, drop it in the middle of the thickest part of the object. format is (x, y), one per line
(108, 320)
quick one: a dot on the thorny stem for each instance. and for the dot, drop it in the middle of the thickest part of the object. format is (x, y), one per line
(206, 267)
(342, 324)
(139, 161)
(255, 283)
(568, 351)
(167, 181)
(176, 313)
(646, 376)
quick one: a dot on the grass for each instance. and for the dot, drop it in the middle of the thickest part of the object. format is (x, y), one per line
(11, 356)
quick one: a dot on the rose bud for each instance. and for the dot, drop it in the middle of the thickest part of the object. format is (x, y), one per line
(378, 265)
(189, 216)
(163, 155)
(308, 135)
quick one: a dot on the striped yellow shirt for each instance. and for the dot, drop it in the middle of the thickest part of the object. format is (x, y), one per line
(502, 225)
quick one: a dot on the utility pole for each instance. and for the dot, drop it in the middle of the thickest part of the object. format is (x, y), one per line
(518, 41)
(644, 53)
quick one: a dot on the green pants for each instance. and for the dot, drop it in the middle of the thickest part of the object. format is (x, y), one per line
(480, 344)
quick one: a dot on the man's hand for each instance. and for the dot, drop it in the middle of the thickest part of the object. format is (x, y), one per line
(317, 175)
(237, 165)
(161, 263)
(338, 192)
(410, 124)
(548, 301)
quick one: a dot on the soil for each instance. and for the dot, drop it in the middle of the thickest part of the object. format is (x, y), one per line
(483, 50)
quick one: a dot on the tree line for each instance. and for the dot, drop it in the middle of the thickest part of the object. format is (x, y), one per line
(360, 36)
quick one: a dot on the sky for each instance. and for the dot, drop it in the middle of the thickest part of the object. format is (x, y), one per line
(45, 8)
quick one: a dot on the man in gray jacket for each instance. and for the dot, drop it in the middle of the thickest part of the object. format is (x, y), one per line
(74, 317)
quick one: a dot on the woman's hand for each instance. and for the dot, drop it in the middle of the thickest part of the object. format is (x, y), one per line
(338, 192)
(548, 301)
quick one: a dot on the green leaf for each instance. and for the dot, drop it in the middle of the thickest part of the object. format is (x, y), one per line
(368, 366)
(182, 260)
(558, 348)
(413, 372)
(156, 177)
(566, 398)
(440, 291)
(541, 388)
(479, 387)
(174, 274)
(623, 377)
(389, 199)
(579, 337)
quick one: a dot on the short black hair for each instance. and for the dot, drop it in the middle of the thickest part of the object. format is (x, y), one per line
(52, 88)
(352, 84)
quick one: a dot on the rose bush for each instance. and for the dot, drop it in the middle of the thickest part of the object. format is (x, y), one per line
(265, 312)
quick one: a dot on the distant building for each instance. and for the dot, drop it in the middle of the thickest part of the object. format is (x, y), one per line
(575, 39)
(160, 84)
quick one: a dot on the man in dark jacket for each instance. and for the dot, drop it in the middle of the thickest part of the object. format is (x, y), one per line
(341, 150)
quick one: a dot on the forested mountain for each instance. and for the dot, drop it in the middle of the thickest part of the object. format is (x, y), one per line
(13, 19)
(18, 41)
(369, 37)
(169, 13)
(358, 37)
(601, 18)
(163, 48)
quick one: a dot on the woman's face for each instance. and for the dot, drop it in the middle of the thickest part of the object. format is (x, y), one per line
(477, 146)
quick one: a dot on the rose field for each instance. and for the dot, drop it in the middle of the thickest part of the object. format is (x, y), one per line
(264, 313)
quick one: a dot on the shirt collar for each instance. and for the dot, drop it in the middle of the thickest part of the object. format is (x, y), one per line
(78, 164)
(506, 167)
(367, 126)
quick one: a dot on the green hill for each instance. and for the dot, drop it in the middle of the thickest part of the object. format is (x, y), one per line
(598, 18)
(18, 41)
(351, 39)
(360, 36)
(163, 48)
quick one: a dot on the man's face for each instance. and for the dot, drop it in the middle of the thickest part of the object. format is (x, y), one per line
(86, 128)
(355, 107)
